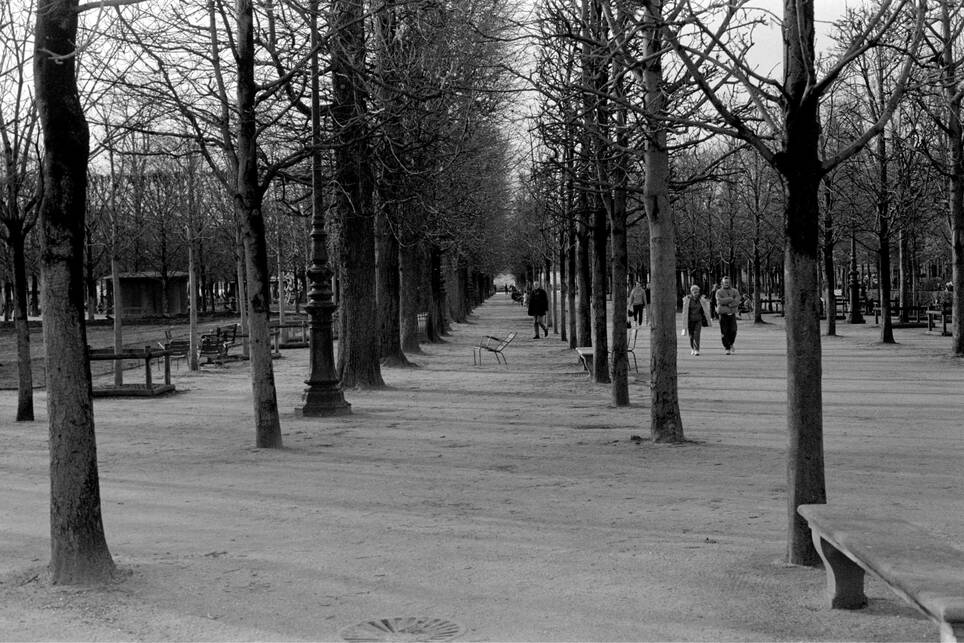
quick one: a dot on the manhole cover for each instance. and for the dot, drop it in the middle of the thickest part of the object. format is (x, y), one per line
(404, 628)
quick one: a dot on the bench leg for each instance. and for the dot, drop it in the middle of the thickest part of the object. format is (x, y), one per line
(952, 632)
(845, 578)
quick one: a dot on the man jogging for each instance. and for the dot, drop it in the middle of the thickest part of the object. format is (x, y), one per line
(727, 304)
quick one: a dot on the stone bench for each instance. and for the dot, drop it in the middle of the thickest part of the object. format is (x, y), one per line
(924, 570)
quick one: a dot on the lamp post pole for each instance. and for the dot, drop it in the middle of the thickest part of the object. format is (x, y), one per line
(323, 396)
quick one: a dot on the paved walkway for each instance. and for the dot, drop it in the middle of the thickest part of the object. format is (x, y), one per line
(513, 501)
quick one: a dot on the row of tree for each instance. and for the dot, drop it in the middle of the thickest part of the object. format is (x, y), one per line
(654, 111)
(181, 125)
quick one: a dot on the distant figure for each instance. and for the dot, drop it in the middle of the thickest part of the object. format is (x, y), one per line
(696, 311)
(947, 298)
(505, 287)
(637, 299)
(538, 307)
(727, 306)
(713, 289)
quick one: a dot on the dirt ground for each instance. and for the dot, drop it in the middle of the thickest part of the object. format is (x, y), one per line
(513, 502)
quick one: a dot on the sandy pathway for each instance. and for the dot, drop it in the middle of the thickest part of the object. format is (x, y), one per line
(511, 501)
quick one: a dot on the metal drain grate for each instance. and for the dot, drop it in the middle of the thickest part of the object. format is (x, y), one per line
(403, 628)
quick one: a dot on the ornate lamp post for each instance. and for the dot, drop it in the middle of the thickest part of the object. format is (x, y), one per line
(323, 396)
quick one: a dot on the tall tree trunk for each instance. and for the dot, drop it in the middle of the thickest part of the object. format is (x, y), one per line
(249, 202)
(829, 270)
(856, 314)
(389, 288)
(666, 425)
(617, 219)
(600, 263)
(883, 234)
(409, 287)
(571, 274)
(954, 140)
(24, 361)
(800, 166)
(78, 548)
(583, 274)
(436, 324)
(359, 346)
(563, 320)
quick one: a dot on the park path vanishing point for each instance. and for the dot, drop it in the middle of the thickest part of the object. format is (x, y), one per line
(512, 501)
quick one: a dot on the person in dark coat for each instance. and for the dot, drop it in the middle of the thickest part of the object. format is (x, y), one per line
(538, 307)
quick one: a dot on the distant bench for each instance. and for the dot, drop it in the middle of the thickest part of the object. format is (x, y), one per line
(494, 345)
(214, 347)
(925, 571)
(933, 316)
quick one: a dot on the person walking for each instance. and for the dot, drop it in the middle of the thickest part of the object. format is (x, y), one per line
(637, 299)
(727, 306)
(696, 310)
(538, 307)
(713, 290)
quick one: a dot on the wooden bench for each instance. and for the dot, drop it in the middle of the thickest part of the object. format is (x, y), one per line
(494, 345)
(924, 570)
(933, 316)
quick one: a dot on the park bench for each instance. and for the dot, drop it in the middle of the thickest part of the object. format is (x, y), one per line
(933, 316)
(215, 346)
(494, 345)
(922, 569)
(586, 353)
(915, 312)
(177, 349)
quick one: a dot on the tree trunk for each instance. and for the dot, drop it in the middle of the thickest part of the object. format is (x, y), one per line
(666, 425)
(388, 283)
(436, 325)
(24, 361)
(883, 234)
(856, 315)
(571, 274)
(600, 245)
(359, 346)
(583, 274)
(409, 288)
(829, 270)
(79, 553)
(249, 202)
(800, 165)
(954, 140)
(562, 321)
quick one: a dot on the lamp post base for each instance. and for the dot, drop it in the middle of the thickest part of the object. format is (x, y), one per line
(323, 403)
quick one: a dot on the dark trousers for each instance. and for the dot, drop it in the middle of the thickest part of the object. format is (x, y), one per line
(638, 313)
(728, 329)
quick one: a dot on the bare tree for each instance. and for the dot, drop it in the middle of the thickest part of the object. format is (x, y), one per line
(79, 552)
(791, 146)
(20, 190)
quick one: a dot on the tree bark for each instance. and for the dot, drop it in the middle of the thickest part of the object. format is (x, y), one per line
(359, 346)
(388, 283)
(666, 425)
(800, 165)
(79, 552)
(829, 270)
(22, 327)
(409, 287)
(249, 201)
(954, 140)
